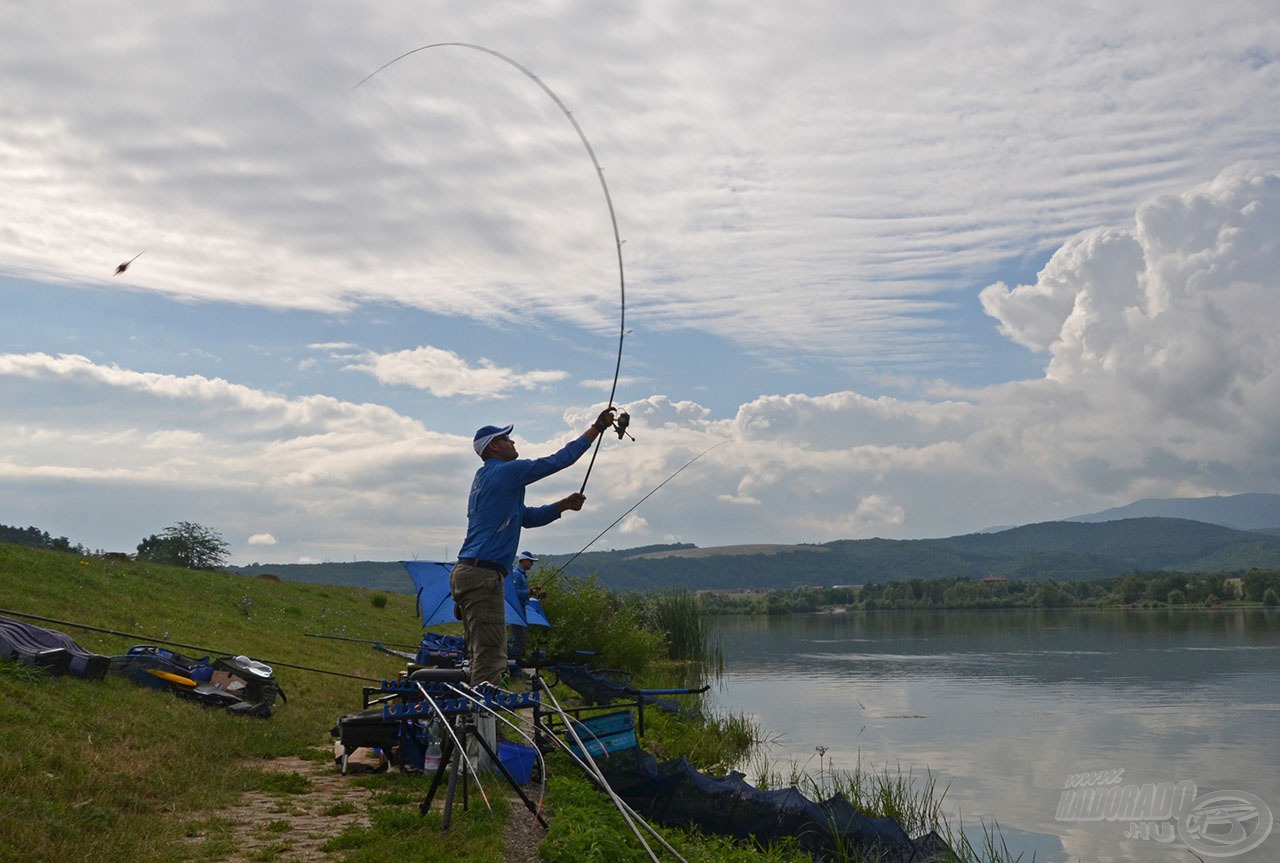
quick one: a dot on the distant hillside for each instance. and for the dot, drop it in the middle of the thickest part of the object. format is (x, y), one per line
(1063, 551)
(691, 551)
(1083, 548)
(1239, 511)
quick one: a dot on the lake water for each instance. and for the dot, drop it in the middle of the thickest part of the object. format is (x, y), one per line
(1005, 706)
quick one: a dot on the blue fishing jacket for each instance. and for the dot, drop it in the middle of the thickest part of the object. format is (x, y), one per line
(520, 585)
(496, 510)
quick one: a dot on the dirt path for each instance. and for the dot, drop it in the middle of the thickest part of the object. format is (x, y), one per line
(294, 827)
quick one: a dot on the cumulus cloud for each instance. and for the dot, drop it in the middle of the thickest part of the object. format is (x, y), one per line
(261, 539)
(1162, 379)
(1171, 315)
(1034, 315)
(445, 374)
(310, 467)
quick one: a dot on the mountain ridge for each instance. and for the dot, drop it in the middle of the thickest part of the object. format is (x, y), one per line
(1057, 550)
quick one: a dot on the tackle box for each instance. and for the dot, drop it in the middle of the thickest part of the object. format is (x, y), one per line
(608, 732)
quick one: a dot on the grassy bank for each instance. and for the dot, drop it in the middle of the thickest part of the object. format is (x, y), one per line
(106, 771)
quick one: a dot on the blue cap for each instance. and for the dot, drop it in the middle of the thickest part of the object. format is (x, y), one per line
(524, 555)
(485, 436)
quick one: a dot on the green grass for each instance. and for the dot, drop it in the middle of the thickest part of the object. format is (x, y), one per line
(109, 772)
(398, 832)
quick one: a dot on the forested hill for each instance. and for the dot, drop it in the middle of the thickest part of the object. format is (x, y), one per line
(1062, 551)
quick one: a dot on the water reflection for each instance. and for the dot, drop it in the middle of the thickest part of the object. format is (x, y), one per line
(1005, 705)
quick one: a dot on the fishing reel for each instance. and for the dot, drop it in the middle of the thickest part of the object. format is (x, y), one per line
(620, 425)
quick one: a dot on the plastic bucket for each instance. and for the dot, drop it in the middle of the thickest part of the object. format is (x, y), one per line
(518, 760)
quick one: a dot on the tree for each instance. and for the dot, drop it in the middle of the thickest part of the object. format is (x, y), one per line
(185, 544)
(1050, 595)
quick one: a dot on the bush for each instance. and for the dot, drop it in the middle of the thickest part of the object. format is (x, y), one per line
(586, 617)
(1270, 598)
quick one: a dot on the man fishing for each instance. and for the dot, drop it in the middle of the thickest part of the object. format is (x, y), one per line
(495, 514)
(517, 584)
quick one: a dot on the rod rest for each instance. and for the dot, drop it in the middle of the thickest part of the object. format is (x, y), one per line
(439, 675)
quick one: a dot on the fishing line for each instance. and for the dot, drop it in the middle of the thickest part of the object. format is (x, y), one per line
(135, 636)
(633, 508)
(604, 187)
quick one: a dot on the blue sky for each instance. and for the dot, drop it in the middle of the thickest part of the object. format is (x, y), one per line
(925, 269)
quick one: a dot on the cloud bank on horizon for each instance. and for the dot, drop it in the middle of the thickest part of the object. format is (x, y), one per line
(819, 200)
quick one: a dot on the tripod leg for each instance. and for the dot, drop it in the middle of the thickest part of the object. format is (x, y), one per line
(453, 784)
(446, 750)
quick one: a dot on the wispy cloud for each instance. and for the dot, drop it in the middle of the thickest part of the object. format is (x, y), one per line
(812, 180)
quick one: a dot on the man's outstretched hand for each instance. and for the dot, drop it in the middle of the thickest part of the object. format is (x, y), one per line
(605, 420)
(573, 502)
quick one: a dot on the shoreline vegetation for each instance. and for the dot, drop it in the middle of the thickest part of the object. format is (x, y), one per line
(1135, 590)
(107, 771)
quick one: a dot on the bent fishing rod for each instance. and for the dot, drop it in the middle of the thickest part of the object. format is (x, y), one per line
(628, 814)
(589, 766)
(604, 187)
(536, 809)
(135, 636)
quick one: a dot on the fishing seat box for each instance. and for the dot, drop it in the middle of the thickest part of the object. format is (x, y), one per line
(608, 732)
(367, 728)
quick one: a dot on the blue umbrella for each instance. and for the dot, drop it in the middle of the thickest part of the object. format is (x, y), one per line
(534, 614)
(434, 600)
(513, 603)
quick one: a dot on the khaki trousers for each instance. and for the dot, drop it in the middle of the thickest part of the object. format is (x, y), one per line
(478, 593)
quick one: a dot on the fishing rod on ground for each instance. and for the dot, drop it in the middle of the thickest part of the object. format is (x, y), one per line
(135, 636)
(362, 640)
(560, 569)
